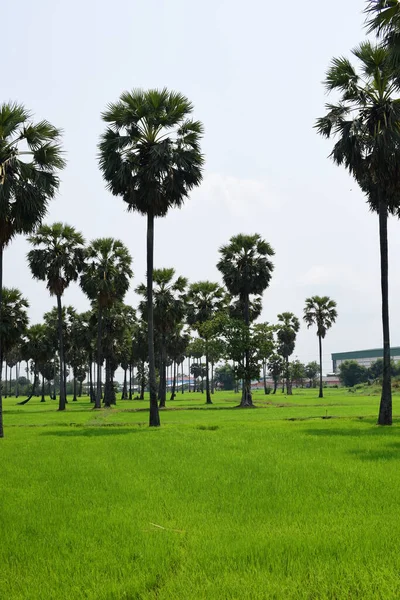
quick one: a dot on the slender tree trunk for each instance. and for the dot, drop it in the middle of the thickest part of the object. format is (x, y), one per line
(189, 371)
(49, 388)
(108, 385)
(288, 382)
(275, 385)
(5, 380)
(10, 388)
(182, 375)
(142, 382)
(173, 390)
(163, 375)
(17, 367)
(75, 399)
(130, 381)
(62, 402)
(208, 395)
(154, 417)
(43, 398)
(65, 382)
(265, 377)
(99, 358)
(321, 392)
(247, 400)
(33, 390)
(385, 409)
(124, 395)
(212, 377)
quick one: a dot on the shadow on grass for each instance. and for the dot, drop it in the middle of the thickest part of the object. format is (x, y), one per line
(98, 431)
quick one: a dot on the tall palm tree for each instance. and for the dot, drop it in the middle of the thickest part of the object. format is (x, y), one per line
(286, 331)
(150, 156)
(320, 311)
(366, 124)
(169, 301)
(105, 281)
(57, 257)
(30, 157)
(384, 19)
(205, 300)
(246, 271)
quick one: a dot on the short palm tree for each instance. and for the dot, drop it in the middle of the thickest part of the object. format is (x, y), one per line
(105, 281)
(168, 309)
(246, 270)
(366, 125)
(320, 311)
(205, 299)
(286, 332)
(150, 156)
(57, 257)
(30, 158)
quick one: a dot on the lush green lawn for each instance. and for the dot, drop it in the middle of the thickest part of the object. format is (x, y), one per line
(219, 503)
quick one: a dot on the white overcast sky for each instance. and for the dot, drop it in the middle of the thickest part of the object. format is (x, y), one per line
(253, 71)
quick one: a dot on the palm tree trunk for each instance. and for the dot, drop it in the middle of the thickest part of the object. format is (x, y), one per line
(212, 377)
(142, 382)
(275, 385)
(265, 377)
(154, 417)
(108, 385)
(61, 405)
(91, 391)
(208, 395)
(6, 380)
(99, 357)
(182, 375)
(80, 389)
(321, 393)
(385, 409)
(43, 399)
(189, 371)
(288, 382)
(75, 399)
(16, 380)
(247, 400)
(33, 390)
(130, 381)
(173, 390)
(163, 375)
(124, 395)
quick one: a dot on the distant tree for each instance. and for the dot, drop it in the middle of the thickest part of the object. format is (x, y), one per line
(30, 158)
(105, 281)
(298, 372)
(275, 366)
(286, 331)
(57, 257)
(36, 347)
(246, 269)
(265, 342)
(205, 299)
(225, 377)
(312, 370)
(13, 324)
(351, 373)
(150, 156)
(321, 312)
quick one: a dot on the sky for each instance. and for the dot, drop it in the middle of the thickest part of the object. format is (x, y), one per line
(253, 71)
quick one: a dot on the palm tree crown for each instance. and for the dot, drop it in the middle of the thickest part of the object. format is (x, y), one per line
(150, 153)
(14, 319)
(30, 156)
(58, 256)
(320, 311)
(107, 271)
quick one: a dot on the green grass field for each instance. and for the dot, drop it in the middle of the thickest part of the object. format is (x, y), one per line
(298, 498)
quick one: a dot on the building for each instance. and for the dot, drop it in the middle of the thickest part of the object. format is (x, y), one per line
(363, 357)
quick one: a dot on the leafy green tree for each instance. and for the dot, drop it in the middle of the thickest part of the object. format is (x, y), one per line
(298, 372)
(312, 370)
(169, 301)
(286, 331)
(265, 341)
(30, 158)
(205, 299)
(246, 270)
(13, 325)
(105, 281)
(351, 373)
(150, 156)
(225, 377)
(320, 311)
(366, 124)
(37, 346)
(276, 368)
(57, 257)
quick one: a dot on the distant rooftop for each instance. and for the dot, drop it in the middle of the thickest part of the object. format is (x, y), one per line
(372, 353)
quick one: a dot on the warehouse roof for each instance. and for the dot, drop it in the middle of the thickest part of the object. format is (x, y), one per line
(373, 353)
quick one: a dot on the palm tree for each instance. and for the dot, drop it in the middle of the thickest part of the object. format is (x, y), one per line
(275, 367)
(385, 21)
(286, 332)
(366, 124)
(168, 309)
(36, 347)
(150, 156)
(30, 157)
(57, 258)
(320, 311)
(246, 271)
(105, 281)
(205, 300)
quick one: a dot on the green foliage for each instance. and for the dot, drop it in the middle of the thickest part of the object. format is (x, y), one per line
(150, 152)
(225, 376)
(14, 320)
(26, 185)
(311, 371)
(286, 331)
(351, 373)
(320, 311)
